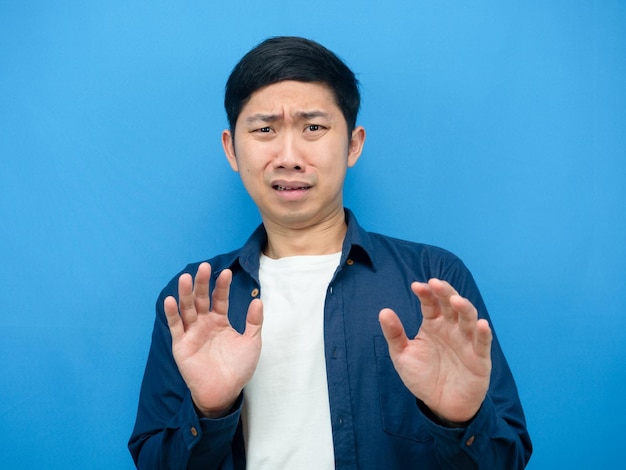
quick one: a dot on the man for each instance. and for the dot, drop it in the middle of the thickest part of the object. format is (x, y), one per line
(291, 353)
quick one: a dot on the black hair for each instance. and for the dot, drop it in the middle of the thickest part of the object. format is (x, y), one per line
(291, 58)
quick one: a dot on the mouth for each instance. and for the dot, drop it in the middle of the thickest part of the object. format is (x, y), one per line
(279, 187)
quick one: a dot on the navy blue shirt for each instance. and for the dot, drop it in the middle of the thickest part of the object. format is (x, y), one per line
(376, 422)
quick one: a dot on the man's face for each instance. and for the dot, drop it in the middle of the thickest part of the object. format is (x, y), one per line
(291, 148)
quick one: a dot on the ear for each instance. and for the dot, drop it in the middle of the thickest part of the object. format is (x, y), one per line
(356, 145)
(228, 145)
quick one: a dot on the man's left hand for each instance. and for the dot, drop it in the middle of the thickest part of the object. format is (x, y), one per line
(448, 364)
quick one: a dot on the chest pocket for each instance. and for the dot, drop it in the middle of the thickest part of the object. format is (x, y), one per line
(400, 415)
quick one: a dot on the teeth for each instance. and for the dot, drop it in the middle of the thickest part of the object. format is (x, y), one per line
(284, 188)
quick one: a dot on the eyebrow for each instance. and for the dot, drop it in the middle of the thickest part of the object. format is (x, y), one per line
(306, 115)
(313, 114)
(262, 117)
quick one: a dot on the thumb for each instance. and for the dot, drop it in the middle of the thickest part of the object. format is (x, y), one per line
(254, 320)
(393, 331)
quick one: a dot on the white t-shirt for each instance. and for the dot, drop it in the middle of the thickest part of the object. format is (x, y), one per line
(286, 414)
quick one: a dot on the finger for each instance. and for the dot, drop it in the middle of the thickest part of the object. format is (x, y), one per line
(443, 291)
(185, 300)
(433, 300)
(428, 300)
(483, 339)
(393, 331)
(424, 292)
(221, 291)
(441, 288)
(466, 313)
(254, 319)
(201, 288)
(173, 318)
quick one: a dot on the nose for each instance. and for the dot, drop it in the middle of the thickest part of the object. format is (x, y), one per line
(288, 154)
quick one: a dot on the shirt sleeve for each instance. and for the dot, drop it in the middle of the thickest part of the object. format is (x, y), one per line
(497, 437)
(168, 432)
(487, 442)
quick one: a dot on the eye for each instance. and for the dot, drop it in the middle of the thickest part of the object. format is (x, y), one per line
(264, 130)
(314, 128)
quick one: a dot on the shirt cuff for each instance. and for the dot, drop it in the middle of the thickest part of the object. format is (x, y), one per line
(473, 438)
(200, 431)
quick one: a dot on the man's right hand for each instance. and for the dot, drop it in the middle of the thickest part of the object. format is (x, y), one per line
(215, 360)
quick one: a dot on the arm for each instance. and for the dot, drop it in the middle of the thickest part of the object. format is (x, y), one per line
(448, 366)
(196, 370)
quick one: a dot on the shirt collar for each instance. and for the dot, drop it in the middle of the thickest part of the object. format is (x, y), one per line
(357, 246)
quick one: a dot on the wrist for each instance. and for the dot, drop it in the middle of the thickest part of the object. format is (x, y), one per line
(214, 413)
(451, 424)
(441, 420)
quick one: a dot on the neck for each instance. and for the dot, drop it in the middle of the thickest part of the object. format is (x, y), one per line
(322, 238)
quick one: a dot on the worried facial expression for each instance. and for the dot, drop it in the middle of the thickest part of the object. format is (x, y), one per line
(292, 149)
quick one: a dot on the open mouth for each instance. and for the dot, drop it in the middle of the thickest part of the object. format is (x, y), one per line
(278, 187)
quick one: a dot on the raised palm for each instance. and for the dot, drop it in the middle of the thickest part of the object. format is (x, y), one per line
(448, 363)
(213, 358)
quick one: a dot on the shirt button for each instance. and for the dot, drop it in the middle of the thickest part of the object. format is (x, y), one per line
(194, 431)
(255, 292)
(349, 262)
(470, 441)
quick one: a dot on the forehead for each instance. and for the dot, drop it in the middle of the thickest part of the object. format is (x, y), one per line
(291, 97)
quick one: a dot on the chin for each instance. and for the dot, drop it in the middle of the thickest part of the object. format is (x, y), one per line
(297, 219)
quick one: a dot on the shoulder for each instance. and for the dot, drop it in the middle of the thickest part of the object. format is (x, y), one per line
(381, 247)
(218, 264)
(406, 249)
(420, 261)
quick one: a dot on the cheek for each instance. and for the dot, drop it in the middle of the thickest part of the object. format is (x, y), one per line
(251, 176)
(336, 165)
(248, 167)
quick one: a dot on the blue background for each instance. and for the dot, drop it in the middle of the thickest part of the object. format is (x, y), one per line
(495, 129)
